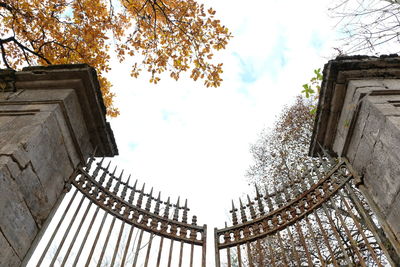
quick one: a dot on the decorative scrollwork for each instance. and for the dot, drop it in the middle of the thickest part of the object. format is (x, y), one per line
(261, 224)
(111, 193)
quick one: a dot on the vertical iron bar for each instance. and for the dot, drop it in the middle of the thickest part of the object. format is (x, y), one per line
(357, 224)
(390, 253)
(138, 247)
(127, 246)
(282, 249)
(352, 241)
(216, 247)
(326, 239)
(303, 242)
(314, 240)
(95, 240)
(239, 254)
(86, 236)
(228, 256)
(260, 253)
(76, 233)
(170, 253)
(118, 241)
(180, 255)
(67, 231)
(148, 250)
(204, 247)
(191, 255)
(296, 254)
(160, 251)
(249, 256)
(57, 228)
(106, 242)
(337, 235)
(271, 251)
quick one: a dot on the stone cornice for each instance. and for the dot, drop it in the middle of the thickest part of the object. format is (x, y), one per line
(83, 80)
(337, 74)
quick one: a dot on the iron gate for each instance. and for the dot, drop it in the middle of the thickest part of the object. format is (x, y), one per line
(126, 226)
(317, 219)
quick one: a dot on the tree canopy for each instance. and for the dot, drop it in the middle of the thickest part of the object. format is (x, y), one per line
(171, 36)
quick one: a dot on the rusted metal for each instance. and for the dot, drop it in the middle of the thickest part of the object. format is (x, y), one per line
(313, 219)
(108, 241)
(57, 228)
(303, 221)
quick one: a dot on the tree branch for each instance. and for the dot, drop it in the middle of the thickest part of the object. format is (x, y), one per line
(3, 55)
(23, 48)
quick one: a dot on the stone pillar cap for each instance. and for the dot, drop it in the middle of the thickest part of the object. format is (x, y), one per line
(83, 79)
(336, 75)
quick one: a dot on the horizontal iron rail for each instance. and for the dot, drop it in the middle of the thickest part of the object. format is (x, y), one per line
(269, 223)
(140, 218)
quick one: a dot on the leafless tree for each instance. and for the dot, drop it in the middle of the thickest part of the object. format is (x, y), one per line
(367, 26)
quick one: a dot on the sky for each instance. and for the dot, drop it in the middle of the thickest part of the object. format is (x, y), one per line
(191, 141)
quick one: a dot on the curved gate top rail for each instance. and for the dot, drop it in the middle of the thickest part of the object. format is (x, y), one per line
(268, 213)
(150, 213)
(316, 219)
(137, 228)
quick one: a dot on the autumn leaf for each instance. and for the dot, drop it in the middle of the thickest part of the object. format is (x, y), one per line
(172, 36)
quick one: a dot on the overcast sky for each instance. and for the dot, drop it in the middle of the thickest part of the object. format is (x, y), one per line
(190, 141)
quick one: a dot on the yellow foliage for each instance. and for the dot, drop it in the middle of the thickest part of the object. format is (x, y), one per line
(172, 36)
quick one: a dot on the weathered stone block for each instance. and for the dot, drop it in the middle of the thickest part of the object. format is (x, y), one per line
(8, 257)
(47, 129)
(394, 215)
(390, 136)
(374, 124)
(34, 194)
(16, 221)
(363, 156)
(358, 130)
(382, 177)
(49, 159)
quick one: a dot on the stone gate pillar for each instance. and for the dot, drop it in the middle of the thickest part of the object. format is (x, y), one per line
(358, 117)
(51, 119)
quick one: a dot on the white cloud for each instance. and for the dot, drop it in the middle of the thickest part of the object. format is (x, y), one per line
(193, 141)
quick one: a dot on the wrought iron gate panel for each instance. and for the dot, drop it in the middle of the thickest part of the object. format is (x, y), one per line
(316, 219)
(109, 222)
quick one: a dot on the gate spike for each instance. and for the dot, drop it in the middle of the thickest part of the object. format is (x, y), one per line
(104, 174)
(259, 201)
(242, 212)
(278, 197)
(148, 203)
(140, 198)
(158, 202)
(250, 205)
(97, 169)
(234, 216)
(91, 159)
(185, 211)
(116, 187)
(166, 211)
(316, 170)
(124, 190)
(176, 211)
(132, 194)
(110, 179)
(285, 189)
(194, 220)
(268, 199)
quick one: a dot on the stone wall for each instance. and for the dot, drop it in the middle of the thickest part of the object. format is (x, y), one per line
(358, 118)
(51, 119)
